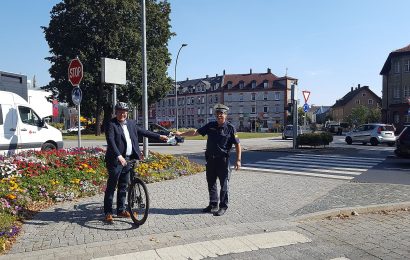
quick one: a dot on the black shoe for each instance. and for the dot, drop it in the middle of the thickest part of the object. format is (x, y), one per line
(210, 209)
(220, 212)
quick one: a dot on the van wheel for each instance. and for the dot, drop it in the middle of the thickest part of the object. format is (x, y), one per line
(374, 141)
(349, 140)
(48, 147)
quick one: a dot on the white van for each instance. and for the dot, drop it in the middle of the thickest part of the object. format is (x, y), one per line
(22, 129)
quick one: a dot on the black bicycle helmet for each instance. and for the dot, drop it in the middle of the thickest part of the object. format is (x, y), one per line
(121, 106)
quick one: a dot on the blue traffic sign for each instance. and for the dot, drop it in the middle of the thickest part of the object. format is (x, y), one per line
(305, 107)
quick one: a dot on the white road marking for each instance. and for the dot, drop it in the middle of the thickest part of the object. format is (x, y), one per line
(214, 248)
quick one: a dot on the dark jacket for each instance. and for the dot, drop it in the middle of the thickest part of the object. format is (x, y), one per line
(116, 143)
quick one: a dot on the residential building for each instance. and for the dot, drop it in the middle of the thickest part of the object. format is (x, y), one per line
(360, 96)
(396, 88)
(257, 101)
(318, 114)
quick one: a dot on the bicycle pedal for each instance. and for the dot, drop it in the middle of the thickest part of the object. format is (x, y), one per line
(142, 206)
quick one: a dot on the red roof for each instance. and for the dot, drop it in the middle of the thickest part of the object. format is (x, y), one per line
(247, 79)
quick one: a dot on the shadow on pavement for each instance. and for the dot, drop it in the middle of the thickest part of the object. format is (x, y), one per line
(172, 212)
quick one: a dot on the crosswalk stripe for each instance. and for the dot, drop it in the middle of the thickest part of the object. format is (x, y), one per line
(341, 157)
(294, 164)
(324, 161)
(309, 169)
(214, 248)
(323, 166)
(310, 161)
(327, 176)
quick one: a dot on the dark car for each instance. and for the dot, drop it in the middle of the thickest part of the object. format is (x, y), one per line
(174, 140)
(403, 143)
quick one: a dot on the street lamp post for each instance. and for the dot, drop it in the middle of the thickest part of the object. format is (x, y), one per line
(176, 90)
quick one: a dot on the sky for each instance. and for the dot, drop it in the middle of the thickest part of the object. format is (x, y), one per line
(328, 45)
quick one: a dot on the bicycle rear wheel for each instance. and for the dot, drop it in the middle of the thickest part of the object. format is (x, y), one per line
(138, 201)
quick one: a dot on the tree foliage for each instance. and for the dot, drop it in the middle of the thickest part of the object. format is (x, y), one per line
(93, 29)
(362, 115)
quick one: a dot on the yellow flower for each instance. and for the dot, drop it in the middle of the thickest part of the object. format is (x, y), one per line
(76, 181)
(11, 196)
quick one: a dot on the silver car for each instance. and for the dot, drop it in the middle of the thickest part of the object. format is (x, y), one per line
(372, 133)
(288, 132)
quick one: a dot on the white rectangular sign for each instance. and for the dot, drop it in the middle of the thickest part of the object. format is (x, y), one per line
(113, 71)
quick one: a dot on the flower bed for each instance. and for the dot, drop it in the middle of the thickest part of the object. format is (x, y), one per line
(33, 180)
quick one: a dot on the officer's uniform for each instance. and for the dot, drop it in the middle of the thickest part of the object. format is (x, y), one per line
(218, 146)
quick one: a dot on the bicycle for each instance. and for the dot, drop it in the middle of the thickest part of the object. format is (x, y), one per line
(138, 197)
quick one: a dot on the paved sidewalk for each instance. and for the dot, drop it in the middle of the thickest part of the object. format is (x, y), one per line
(259, 202)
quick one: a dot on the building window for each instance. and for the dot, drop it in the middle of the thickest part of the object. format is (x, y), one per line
(199, 111)
(358, 101)
(370, 102)
(241, 109)
(210, 110)
(253, 109)
(265, 96)
(241, 85)
(241, 97)
(396, 117)
(396, 92)
(277, 95)
(253, 84)
(253, 98)
(265, 84)
(229, 84)
(407, 66)
(406, 119)
(216, 98)
(363, 94)
(265, 109)
(406, 91)
(396, 66)
(203, 100)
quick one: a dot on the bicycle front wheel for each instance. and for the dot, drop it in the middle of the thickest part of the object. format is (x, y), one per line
(138, 201)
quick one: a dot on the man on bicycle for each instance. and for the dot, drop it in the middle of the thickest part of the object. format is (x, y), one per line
(122, 145)
(221, 136)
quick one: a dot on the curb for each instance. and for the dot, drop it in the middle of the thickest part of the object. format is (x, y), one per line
(349, 210)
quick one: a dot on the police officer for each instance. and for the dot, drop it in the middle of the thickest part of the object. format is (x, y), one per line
(221, 136)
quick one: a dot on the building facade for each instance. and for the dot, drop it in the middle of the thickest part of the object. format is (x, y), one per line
(396, 88)
(360, 96)
(257, 101)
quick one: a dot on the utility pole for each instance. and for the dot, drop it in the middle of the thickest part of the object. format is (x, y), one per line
(144, 77)
(294, 113)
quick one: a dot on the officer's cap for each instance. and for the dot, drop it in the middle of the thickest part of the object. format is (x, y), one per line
(221, 108)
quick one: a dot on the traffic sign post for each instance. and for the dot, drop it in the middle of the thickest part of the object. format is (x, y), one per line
(75, 75)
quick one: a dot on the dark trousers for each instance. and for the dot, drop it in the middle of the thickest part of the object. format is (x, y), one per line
(117, 176)
(218, 168)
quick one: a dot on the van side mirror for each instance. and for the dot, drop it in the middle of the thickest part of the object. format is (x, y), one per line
(41, 122)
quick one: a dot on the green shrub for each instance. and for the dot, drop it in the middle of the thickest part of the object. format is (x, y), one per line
(314, 139)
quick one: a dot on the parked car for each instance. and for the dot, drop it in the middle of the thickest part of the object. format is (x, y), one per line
(173, 140)
(288, 132)
(403, 143)
(373, 134)
(75, 129)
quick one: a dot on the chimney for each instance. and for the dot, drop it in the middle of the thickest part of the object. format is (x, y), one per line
(250, 71)
(187, 79)
(207, 76)
(216, 75)
(351, 89)
(224, 73)
(358, 85)
(269, 71)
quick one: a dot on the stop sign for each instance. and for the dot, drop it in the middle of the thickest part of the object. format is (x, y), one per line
(75, 72)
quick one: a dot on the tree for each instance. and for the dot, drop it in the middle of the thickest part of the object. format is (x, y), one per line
(362, 114)
(92, 29)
